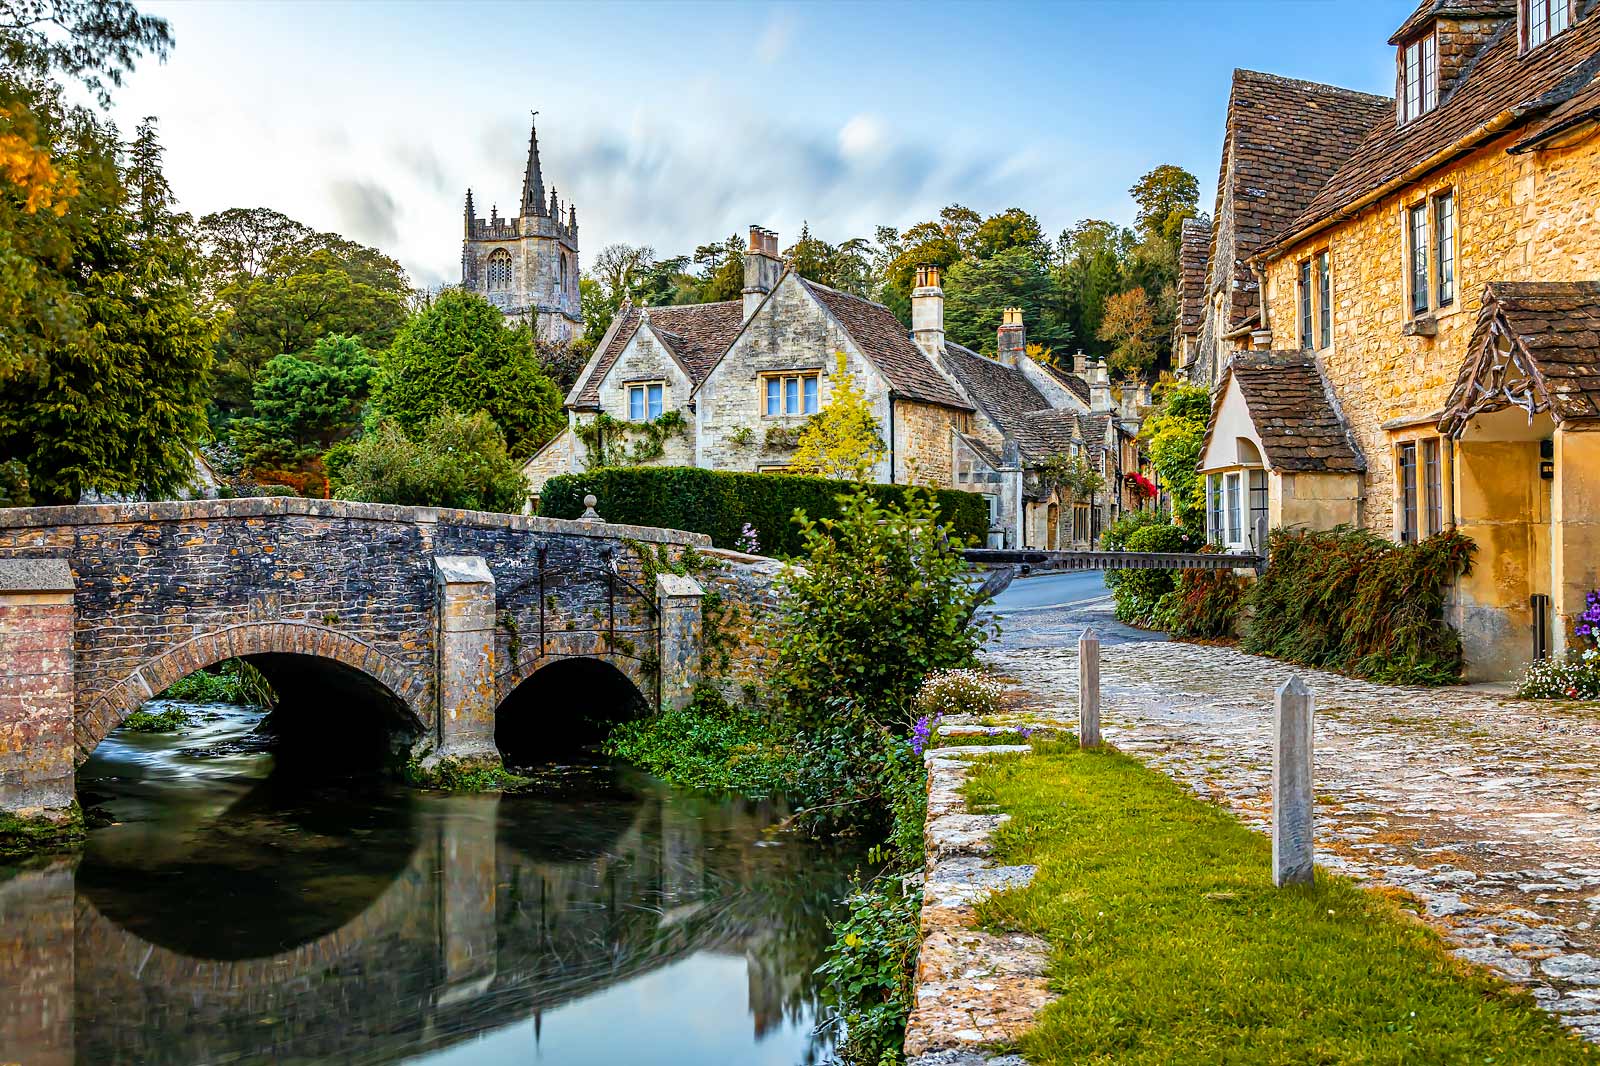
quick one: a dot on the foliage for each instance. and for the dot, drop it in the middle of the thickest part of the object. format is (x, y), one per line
(614, 442)
(1577, 677)
(712, 744)
(461, 461)
(1175, 434)
(458, 353)
(1129, 322)
(167, 719)
(1074, 473)
(976, 291)
(1170, 944)
(871, 971)
(1166, 196)
(93, 41)
(846, 267)
(108, 390)
(1203, 605)
(230, 681)
(1349, 600)
(1137, 593)
(304, 405)
(721, 503)
(458, 775)
(1141, 487)
(843, 441)
(947, 693)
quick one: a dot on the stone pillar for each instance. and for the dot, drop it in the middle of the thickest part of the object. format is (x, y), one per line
(1574, 531)
(1089, 690)
(465, 665)
(1292, 798)
(36, 730)
(678, 600)
(38, 958)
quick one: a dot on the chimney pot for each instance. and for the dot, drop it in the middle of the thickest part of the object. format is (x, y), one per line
(1011, 339)
(927, 311)
(761, 268)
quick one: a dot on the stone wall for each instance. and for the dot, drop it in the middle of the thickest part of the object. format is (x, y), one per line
(644, 360)
(923, 436)
(740, 606)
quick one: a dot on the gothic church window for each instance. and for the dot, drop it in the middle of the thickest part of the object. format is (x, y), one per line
(498, 270)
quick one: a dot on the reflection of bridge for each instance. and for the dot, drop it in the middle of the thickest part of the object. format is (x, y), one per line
(480, 929)
(435, 617)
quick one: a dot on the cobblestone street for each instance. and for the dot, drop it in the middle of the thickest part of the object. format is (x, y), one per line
(1485, 808)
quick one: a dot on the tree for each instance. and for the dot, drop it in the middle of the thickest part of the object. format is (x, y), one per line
(241, 242)
(1129, 324)
(304, 405)
(842, 441)
(1175, 433)
(115, 399)
(1166, 196)
(1011, 228)
(846, 267)
(458, 353)
(93, 41)
(458, 461)
(976, 291)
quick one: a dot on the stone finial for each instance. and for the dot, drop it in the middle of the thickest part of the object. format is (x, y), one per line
(589, 513)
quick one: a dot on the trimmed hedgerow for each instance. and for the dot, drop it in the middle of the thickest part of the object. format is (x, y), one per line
(1138, 593)
(722, 503)
(1349, 600)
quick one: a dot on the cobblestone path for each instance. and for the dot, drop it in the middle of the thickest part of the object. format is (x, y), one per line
(1485, 808)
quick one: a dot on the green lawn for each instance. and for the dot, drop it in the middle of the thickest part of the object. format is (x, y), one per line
(1172, 946)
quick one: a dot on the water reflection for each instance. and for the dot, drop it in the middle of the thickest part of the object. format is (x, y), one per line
(601, 919)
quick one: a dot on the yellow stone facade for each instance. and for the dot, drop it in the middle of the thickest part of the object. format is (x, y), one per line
(1533, 216)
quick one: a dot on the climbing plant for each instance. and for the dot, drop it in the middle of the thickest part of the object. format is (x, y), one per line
(612, 442)
(1073, 473)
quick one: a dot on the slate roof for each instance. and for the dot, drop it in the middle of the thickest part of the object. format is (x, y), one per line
(1429, 10)
(1043, 434)
(697, 335)
(1194, 248)
(883, 339)
(1285, 139)
(1555, 330)
(1079, 387)
(1292, 412)
(1001, 392)
(1500, 79)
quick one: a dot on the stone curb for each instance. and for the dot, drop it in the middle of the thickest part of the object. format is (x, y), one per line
(974, 989)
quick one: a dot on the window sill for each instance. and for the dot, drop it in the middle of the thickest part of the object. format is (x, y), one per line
(1423, 326)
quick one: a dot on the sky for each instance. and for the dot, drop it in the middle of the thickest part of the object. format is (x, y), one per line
(675, 124)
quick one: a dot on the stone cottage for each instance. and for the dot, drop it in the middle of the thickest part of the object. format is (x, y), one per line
(1428, 321)
(728, 386)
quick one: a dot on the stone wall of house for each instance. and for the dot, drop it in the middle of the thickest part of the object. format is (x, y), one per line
(791, 332)
(1528, 217)
(645, 360)
(563, 455)
(922, 443)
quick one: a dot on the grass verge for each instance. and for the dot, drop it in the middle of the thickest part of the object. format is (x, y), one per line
(1170, 944)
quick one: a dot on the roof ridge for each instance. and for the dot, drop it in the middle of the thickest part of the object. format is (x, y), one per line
(1327, 88)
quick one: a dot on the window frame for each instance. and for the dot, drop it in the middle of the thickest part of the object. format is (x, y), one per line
(1233, 486)
(1443, 235)
(807, 390)
(1431, 470)
(1323, 271)
(1303, 283)
(1548, 9)
(1417, 92)
(1216, 531)
(644, 389)
(1407, 512)
(1260, 506)
(1418, 270)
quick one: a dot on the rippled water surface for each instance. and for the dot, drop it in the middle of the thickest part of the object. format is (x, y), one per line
(229, 915)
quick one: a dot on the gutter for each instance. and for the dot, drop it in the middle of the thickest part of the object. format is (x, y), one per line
(1433, 162)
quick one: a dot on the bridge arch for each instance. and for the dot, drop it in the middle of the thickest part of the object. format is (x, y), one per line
(264, 644)
(591, 691)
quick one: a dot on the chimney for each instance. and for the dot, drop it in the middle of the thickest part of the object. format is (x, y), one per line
(1011, 340)
(927, 311)
(1100, 388)
(1080, 364)
(762, 268)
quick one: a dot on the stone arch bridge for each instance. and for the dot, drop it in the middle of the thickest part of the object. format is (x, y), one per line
(436, 615)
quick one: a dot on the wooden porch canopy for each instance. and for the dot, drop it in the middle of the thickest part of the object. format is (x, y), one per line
(1536, 347)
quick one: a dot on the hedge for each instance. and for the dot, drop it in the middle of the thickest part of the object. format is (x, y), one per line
(720, 502)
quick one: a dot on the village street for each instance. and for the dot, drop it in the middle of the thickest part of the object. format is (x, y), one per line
(1485, 808)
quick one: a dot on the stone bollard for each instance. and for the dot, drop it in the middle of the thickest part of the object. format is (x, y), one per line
(1292, 799)
(589, 513)
(1089, 690)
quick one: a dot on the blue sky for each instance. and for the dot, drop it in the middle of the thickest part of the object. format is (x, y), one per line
(671, 124)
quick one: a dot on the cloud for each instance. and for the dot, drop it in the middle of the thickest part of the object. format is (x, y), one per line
(862, 136)
(366, 212)
(775, 36)
(423, 163)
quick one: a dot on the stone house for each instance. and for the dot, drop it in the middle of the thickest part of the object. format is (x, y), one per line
(1430, 323)
(728, 386)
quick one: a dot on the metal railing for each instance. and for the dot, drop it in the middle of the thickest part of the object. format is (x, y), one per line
(1038, 559)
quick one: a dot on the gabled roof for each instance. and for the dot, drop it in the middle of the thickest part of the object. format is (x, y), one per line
(1041, 435)
(696, 335)
(1464, 9)
(1537, 347)
(1500, 89)
(1285, 139)
(1293, 413)
(1079, 387)
(887, 344)
(1001, 392)
(1194, 248)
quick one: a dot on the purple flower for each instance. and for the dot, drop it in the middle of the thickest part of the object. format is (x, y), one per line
(1026, 731)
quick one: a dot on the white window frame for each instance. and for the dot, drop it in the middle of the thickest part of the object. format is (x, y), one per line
(647, 391)
(1554, 19)
(799, 393)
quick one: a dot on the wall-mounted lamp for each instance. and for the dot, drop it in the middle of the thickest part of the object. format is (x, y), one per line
(1547, 455)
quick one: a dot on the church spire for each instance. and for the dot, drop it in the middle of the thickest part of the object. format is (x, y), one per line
(533, 179)
(469, 214)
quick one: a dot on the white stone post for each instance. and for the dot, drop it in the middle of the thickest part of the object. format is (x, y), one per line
(1292, 798)
(1089, 690)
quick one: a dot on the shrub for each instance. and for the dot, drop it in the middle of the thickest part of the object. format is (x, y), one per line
(1348, 600)
(945, 693)
(871, 968)
(461, 461)
(1137, 593)
(1204, 605)
(712, 744)
(1576, 677)
(720, 503)
(230, 681)
(168, 719)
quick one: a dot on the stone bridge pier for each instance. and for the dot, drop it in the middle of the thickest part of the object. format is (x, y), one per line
(405, 628)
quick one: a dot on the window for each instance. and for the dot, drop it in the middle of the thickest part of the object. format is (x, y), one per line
(1444, 247)
(497, 270)
(1418, 228)
(1305, 303)
(790, 394)
(1324, 302)
(1408, 492)
(1080, 524)
(563, 271)
(1258, 504)
(1419, 75)
(644, 401)
(1433, 486)
(1214, 494)
(1543, 19)
(1233, 509)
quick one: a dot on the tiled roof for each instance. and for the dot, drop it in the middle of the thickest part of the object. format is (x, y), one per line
(1500, 84)
(1043, 434)
(1285, 139)
(1466, 9)
(1094, 430)
(697, 334)
(1079, 387)
(1537, 346)
(1194, 246)
(887, 343)
(1292, 412)
(1000, 391)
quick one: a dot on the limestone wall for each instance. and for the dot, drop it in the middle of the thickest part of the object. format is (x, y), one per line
(922, 443)
(644, 360)
(739, 610)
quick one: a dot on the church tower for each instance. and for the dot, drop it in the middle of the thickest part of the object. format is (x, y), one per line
(527, 264)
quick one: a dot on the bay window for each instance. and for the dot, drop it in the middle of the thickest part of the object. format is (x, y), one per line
(1234, 534)
(1258, 504)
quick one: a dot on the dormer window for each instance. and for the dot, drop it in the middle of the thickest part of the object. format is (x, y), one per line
(1419, 77)
(1543, 19)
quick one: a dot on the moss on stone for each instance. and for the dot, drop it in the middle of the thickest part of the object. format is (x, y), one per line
(25, 836)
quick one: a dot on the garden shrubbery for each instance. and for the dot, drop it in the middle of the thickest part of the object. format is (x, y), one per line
(721, 503)
(1577, 677)
(1203, 605)
(1349, 600)
(1138, 593)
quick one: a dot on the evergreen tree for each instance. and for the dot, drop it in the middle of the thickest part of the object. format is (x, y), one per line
(976, 291)
(305, 404)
